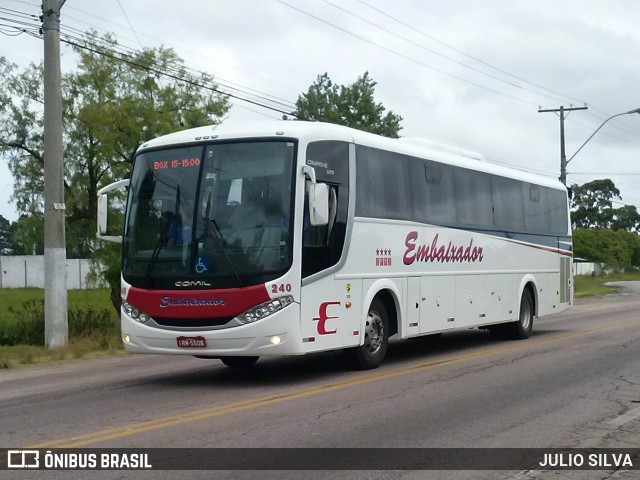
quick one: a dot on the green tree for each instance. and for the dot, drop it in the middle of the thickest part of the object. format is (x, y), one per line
(28, 234)
(626, 218)
(617, 249)
(110, 106)
(592, 204)
(352, 105)
(7, 247)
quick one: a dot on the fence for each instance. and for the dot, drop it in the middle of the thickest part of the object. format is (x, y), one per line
(28, 271)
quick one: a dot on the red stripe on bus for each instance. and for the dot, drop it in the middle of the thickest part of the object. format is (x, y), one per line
(194, 304)
(566, 253)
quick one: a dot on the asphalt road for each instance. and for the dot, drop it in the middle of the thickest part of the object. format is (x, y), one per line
(574, 383)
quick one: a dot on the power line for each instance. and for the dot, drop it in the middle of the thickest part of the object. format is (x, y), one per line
(284, 103)
(435, 52)
(81, 36)
(407, 57)
(175, 69)
(12, 31)
(123, 58)
(487, 64)
(430, 37)
(604, 134)
(20, 22)
(245, 90)
(130, 25)
(617, 123)
(102, 19)
(237, 93)
(17, 13)
(26, 3)
(240, 89)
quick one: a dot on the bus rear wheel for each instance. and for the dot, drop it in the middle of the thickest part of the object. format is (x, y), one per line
(376, 339)
(521, 329)
(239, 362)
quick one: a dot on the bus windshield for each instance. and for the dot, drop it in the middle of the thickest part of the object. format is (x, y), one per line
(210, 216)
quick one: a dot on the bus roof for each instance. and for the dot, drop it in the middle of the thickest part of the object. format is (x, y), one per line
(314, 131)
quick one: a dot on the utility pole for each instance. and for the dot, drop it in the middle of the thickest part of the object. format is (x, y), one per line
(56, 329)
(563, 156)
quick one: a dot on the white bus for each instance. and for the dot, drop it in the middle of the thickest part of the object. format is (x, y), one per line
(289, 237)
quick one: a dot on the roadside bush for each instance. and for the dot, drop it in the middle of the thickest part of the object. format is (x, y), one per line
(93, 323)
(26, 325)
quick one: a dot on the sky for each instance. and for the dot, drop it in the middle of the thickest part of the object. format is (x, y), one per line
(464, 73)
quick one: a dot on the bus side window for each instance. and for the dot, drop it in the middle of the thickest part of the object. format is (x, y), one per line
(323, 245)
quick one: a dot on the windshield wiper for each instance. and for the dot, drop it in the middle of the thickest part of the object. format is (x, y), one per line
(154, 255)
(219, 241)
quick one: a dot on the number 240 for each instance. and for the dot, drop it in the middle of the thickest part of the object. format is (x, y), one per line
(283, 287)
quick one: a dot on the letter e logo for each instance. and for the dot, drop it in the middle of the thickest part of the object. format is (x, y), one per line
(323, 317)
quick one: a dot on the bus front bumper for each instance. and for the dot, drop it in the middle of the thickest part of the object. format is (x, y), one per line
(277, 334)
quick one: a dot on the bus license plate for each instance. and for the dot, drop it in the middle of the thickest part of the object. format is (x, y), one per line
(191, 342)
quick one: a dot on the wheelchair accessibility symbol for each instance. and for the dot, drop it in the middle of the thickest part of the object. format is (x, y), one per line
(201, 264)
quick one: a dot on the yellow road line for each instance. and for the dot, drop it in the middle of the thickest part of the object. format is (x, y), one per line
(369, 377)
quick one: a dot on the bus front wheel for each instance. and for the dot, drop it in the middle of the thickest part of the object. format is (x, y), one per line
(376, 339)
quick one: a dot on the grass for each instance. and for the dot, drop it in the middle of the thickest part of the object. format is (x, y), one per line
(15, 356)
(586, 286)
(94, 327)
(15, 297)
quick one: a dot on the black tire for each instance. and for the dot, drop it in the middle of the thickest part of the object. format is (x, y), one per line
(239, 362)
(376, 339)
(521, 329)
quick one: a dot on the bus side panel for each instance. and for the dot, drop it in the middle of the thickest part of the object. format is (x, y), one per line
(549, 295)
(437, 306)
(471, 301)
(413, 308)
(330, 314)
(501, 289)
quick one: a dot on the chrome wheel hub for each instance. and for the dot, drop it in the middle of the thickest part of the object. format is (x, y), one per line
(374, 332)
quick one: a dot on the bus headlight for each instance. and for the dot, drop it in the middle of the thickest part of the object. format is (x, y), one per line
(135, 313)
(265, 309)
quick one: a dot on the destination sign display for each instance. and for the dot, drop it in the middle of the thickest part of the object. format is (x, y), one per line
(182, 163)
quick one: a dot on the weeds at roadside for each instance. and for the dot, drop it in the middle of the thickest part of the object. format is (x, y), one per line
(93, 331)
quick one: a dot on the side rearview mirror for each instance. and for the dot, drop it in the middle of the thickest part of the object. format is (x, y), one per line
(103, 210)
(318, 204)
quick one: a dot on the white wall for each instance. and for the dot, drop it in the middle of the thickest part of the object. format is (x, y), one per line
(586, 268)
(28, 271)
